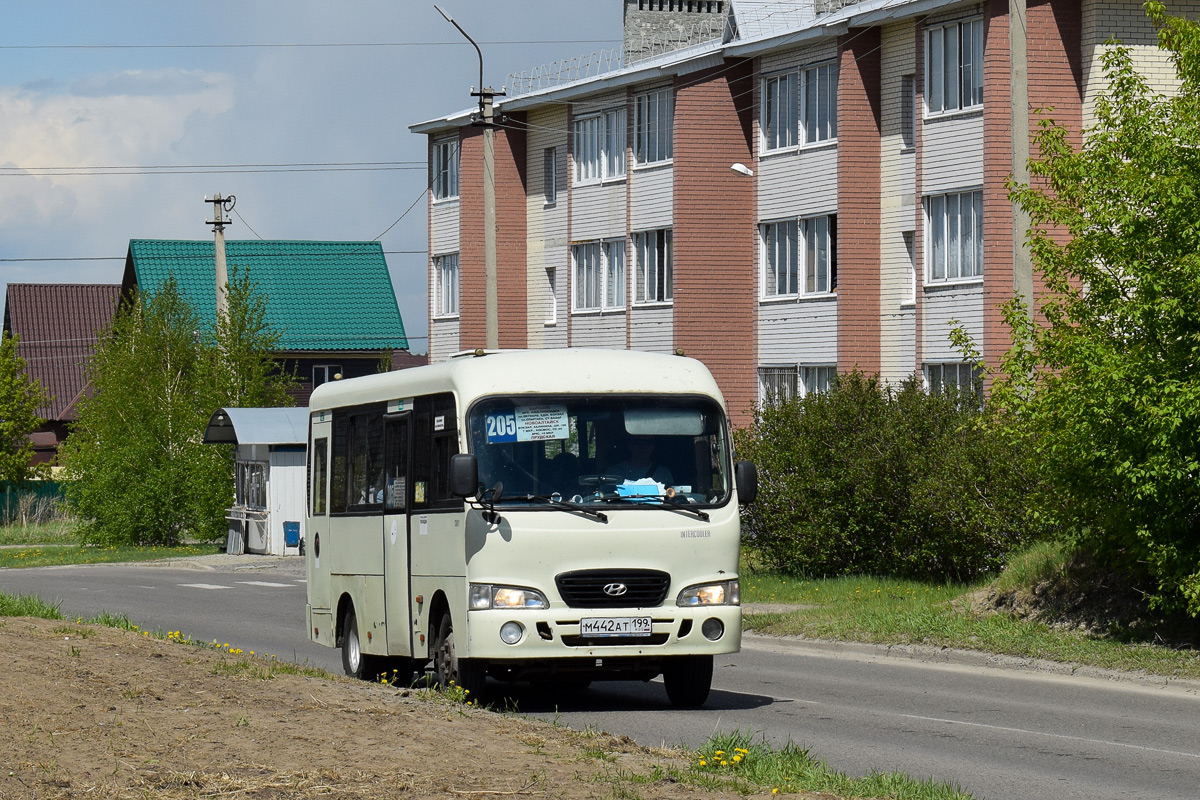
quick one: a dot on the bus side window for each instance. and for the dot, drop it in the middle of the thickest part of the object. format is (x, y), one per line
(317, 479)
(435, 440)
(396, 481)
(357, 481)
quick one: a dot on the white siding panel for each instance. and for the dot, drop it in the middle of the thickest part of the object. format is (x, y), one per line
(799, 56)
(444, 224)
(653, 329)
(598, 212)
(598, 330)
(797, 184)
(798, 333)
(443, 339)
(599, 102)
(546, 229)
(286, 490)
(961, 303)
(651, 198)
(953, 153)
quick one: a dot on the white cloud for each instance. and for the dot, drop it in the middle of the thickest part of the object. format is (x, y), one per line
(135, 117)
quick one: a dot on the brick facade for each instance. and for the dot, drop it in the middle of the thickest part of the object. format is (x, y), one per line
(859, 206)
(715, 233)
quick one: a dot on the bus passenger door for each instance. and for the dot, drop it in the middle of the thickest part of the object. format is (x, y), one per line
(397, 586)
(320, 615)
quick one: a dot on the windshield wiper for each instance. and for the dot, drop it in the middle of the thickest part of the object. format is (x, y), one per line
(558, 502)
(656, 501)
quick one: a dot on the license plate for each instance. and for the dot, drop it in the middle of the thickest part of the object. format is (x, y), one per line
(614, 626)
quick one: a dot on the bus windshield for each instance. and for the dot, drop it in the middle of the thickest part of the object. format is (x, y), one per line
(601, 449)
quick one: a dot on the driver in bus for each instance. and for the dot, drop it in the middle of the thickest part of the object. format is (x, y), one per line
(641, 464)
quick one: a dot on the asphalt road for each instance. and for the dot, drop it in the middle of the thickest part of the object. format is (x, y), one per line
(998, 733)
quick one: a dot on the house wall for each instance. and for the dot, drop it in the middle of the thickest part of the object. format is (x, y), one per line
(546, 231)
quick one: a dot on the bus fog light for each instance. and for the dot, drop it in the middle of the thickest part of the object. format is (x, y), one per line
(511, 632)
(713, 629)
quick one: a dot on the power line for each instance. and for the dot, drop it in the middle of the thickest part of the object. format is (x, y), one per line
(287, 45)
(17, 168)
(177, 258)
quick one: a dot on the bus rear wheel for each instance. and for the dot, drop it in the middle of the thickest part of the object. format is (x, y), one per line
(688, 680)
(355, 662)
(449, 669)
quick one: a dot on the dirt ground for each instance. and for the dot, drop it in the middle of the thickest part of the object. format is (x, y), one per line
(94, 712)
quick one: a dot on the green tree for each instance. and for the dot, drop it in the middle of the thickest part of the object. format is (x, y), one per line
(885, 480)
(249, 375)
(1107, 387)
(20, 399)
(139, 472)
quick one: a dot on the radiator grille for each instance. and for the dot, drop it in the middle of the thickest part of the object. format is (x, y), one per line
(644, 588)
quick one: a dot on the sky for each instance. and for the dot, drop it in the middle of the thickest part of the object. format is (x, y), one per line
(118, 118)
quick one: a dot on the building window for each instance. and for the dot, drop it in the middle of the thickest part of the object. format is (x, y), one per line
(324, 373)
(954, 224)
(910, 251)
(250, 485)
(445, 169)
(445, 269)
(780, 106)
(820, 254)
(786, 258)
(652, 126)
(600, 146)
(599, 275)
(954, 66)
(908, 115)
(781, 268)
(552, 295)
(550, 175)
(818, 107)
(653, 253)
(800, 106)
(776, 384)
(955, 378)
(815, 379)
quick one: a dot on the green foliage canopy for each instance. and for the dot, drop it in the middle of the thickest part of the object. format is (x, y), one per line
(20, 399)
(1107, 389)
(140, 472)
(869, 478)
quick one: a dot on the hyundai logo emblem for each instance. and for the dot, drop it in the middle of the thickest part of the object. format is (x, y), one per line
(615, 589)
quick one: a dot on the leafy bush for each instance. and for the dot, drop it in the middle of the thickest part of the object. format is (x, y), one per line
(886, 480)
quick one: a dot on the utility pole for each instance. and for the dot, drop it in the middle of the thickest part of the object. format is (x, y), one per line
(487, 120)
(219, 222)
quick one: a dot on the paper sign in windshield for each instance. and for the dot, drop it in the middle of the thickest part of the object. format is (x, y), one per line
(528, 424)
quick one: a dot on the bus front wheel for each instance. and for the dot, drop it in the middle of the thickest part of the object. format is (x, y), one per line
(449, 669)
(355, 662)
(688, 680)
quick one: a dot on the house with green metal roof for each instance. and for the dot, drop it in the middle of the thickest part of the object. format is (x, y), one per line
(332, 303)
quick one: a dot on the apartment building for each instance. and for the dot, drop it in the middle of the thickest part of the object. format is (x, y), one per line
(784, 190)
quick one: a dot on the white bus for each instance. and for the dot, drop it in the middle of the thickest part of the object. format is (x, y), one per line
(555, 515)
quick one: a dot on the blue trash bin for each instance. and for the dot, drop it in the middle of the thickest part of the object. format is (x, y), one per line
(291, 534)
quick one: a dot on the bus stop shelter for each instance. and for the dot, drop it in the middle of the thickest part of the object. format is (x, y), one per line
(267, 515)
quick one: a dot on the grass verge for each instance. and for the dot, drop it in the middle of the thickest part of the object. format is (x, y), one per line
(54, 555)
(734, 761)
(892, 611)
(59, 532)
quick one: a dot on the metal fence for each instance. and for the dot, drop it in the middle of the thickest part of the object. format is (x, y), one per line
(37, 501)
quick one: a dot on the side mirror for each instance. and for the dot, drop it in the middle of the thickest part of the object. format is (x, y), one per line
(745, 475)
(464, 475)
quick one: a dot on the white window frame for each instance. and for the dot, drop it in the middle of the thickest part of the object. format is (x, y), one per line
(444, 167)
(954, 66)
(654, 253)
(550, 175)
(552, 290)
(815, 378)
(780, 258)
(446, 285)
(941, 377)
(327, 373)
(954, 237)
(780, 119)
(599, 270)
(653, 126)
(820, 254)
(818, 103)
(599, 146)
(777, 383)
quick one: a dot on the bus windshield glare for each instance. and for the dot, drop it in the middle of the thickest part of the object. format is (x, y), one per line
(601, 449)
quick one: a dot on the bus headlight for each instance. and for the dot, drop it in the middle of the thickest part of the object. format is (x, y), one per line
(486, 595)
(725, 593)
